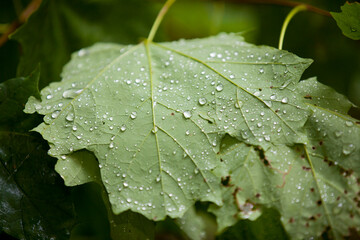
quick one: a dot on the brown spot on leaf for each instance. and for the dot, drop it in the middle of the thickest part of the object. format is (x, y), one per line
(346, 173)
(225, 181)
(319, 202)
(291, 220)
(306, 168)
(312, 189)
(257, 195)
(172, 114)
(308, 97)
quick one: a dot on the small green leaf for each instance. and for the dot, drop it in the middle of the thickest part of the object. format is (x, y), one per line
(192, 224)
(78, 168)
(348, 20)
(14, 94)
(266, 227)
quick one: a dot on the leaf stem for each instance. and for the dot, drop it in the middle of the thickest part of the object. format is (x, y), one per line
(159, 18)
(288, 18)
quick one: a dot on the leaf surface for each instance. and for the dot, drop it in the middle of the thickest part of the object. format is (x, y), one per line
(320, 177)
(154, 114)
(348, 20)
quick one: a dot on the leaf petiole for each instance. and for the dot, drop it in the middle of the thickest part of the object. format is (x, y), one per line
(159, 18)
(288, 18)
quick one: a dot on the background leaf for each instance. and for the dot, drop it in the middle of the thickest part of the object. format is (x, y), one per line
(348, 20)
(59, 28)
(34, 202)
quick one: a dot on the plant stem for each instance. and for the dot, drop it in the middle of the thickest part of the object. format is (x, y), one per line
(288, 18)
(159, 18)
(32, 7)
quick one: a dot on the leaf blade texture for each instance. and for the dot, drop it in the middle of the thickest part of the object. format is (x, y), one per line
(320, 177)
(348, 20)
(154, 114)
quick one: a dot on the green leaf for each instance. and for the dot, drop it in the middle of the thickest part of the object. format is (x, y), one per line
(266, 227)
(58, 28)
(321, 178)
(78, 168)
(154, 114)
(348, 20)
(192, 224)
(14, 94)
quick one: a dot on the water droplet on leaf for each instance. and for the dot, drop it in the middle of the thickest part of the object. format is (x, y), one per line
(187, 114)
(348, 148)
(133, 115)
(202, 101)
(219, 87)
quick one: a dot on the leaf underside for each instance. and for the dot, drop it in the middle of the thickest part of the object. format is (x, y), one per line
(154, 116)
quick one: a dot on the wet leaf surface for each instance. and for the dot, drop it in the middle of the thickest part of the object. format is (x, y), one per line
(213, 119)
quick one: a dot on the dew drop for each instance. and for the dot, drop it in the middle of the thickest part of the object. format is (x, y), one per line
(155, 129)
(238, 104)
(219, 87)
(49, 96)
(158, 179)
(70, 117)
(125, 184)
(261, 70)
(202, 101)
(244, 134)
(187, 114)
(128, 200)
(285, 100)
(38, 106)
(111, 145)
(55, 114)
(196, 170)
(348, 148)
(349, 123)
(187, 132)
(123, 128)
(74, 128)
(71, 93)
(232, 76)
(257, 93)
(133, 115)
(338, 133)
(82, 52)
